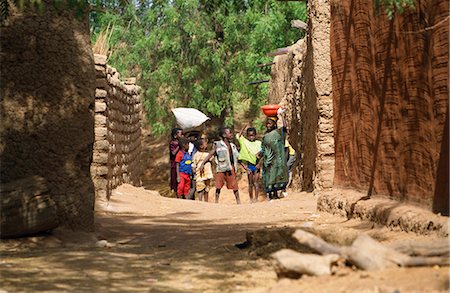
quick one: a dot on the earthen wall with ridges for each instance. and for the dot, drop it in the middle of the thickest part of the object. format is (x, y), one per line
(118, 116)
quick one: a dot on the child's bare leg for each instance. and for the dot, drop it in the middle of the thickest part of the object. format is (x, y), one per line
(250, 186)
(275, 194)
(200, 195)
(256, 185)
(236, 194)
(217, 195)
(207, 182)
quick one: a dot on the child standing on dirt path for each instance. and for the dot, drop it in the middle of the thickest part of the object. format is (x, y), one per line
(274, 168)
(174, 147)
(203, 177)
(226, 155)
(184, 169)
(192, 137)
(291, 158)
(250, 147)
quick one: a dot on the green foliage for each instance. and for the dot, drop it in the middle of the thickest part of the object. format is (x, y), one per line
(80, 7)
(192, 53)
(198, 53)
(393, 6)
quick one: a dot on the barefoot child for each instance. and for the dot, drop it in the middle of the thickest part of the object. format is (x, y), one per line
(174, 147)
(225, 153)
(203, 177)
(250, 147)
(274, 169)
(184, 169)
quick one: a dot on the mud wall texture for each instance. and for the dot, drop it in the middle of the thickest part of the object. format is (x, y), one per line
(301, 80)
(117, 147)
(390, 88)
(319, 47)
(46, 102)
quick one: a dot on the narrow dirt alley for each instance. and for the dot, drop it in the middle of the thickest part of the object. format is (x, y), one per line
(151, 243)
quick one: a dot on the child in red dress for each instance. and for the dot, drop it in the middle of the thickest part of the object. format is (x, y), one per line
(184, 169)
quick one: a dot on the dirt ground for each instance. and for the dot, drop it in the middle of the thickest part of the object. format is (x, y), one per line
(145, 242)
(158, 244)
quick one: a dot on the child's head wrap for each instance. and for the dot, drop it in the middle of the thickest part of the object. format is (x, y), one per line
(273, 118)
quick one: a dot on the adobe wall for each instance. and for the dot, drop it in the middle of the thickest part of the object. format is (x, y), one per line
(117, 147)
(319, 47)
(301, 80)
(390, 85)
(46, 103)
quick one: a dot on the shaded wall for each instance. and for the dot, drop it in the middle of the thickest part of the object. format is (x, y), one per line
(46, 102)
(118, 117)
(390, 85)
(292, 84)
(302, 80)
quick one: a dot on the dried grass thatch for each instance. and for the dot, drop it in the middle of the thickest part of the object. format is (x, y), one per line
(101, 45)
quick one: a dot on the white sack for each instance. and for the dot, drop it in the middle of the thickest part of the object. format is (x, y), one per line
(189, 117)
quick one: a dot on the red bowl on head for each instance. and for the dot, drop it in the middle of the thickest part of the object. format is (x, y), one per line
(270, 110)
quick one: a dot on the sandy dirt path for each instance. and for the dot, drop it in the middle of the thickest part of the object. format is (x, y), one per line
(158, 244)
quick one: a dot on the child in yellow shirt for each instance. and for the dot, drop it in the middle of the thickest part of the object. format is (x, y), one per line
(250, 147)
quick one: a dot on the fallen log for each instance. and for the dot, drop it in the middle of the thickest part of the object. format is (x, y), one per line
(291, 264)
(420, 261)
(439, 247)
(368, 254)
(315, 243)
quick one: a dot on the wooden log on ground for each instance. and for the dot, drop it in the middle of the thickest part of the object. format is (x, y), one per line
(26, 208)
(420, 261)
(439, 247)
(292, 264)
(368, 254)
(315, 243)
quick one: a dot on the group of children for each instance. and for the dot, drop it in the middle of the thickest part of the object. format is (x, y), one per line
(185, 156)
(191, 166)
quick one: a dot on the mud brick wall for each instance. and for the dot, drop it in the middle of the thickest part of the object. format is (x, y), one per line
(390, 88)
(117, 147)
(288, 84)
(302, 81)
(46, 103)
(320, 92)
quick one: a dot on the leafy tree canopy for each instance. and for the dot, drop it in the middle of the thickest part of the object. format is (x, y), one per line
(194, 53)
(198, 53)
